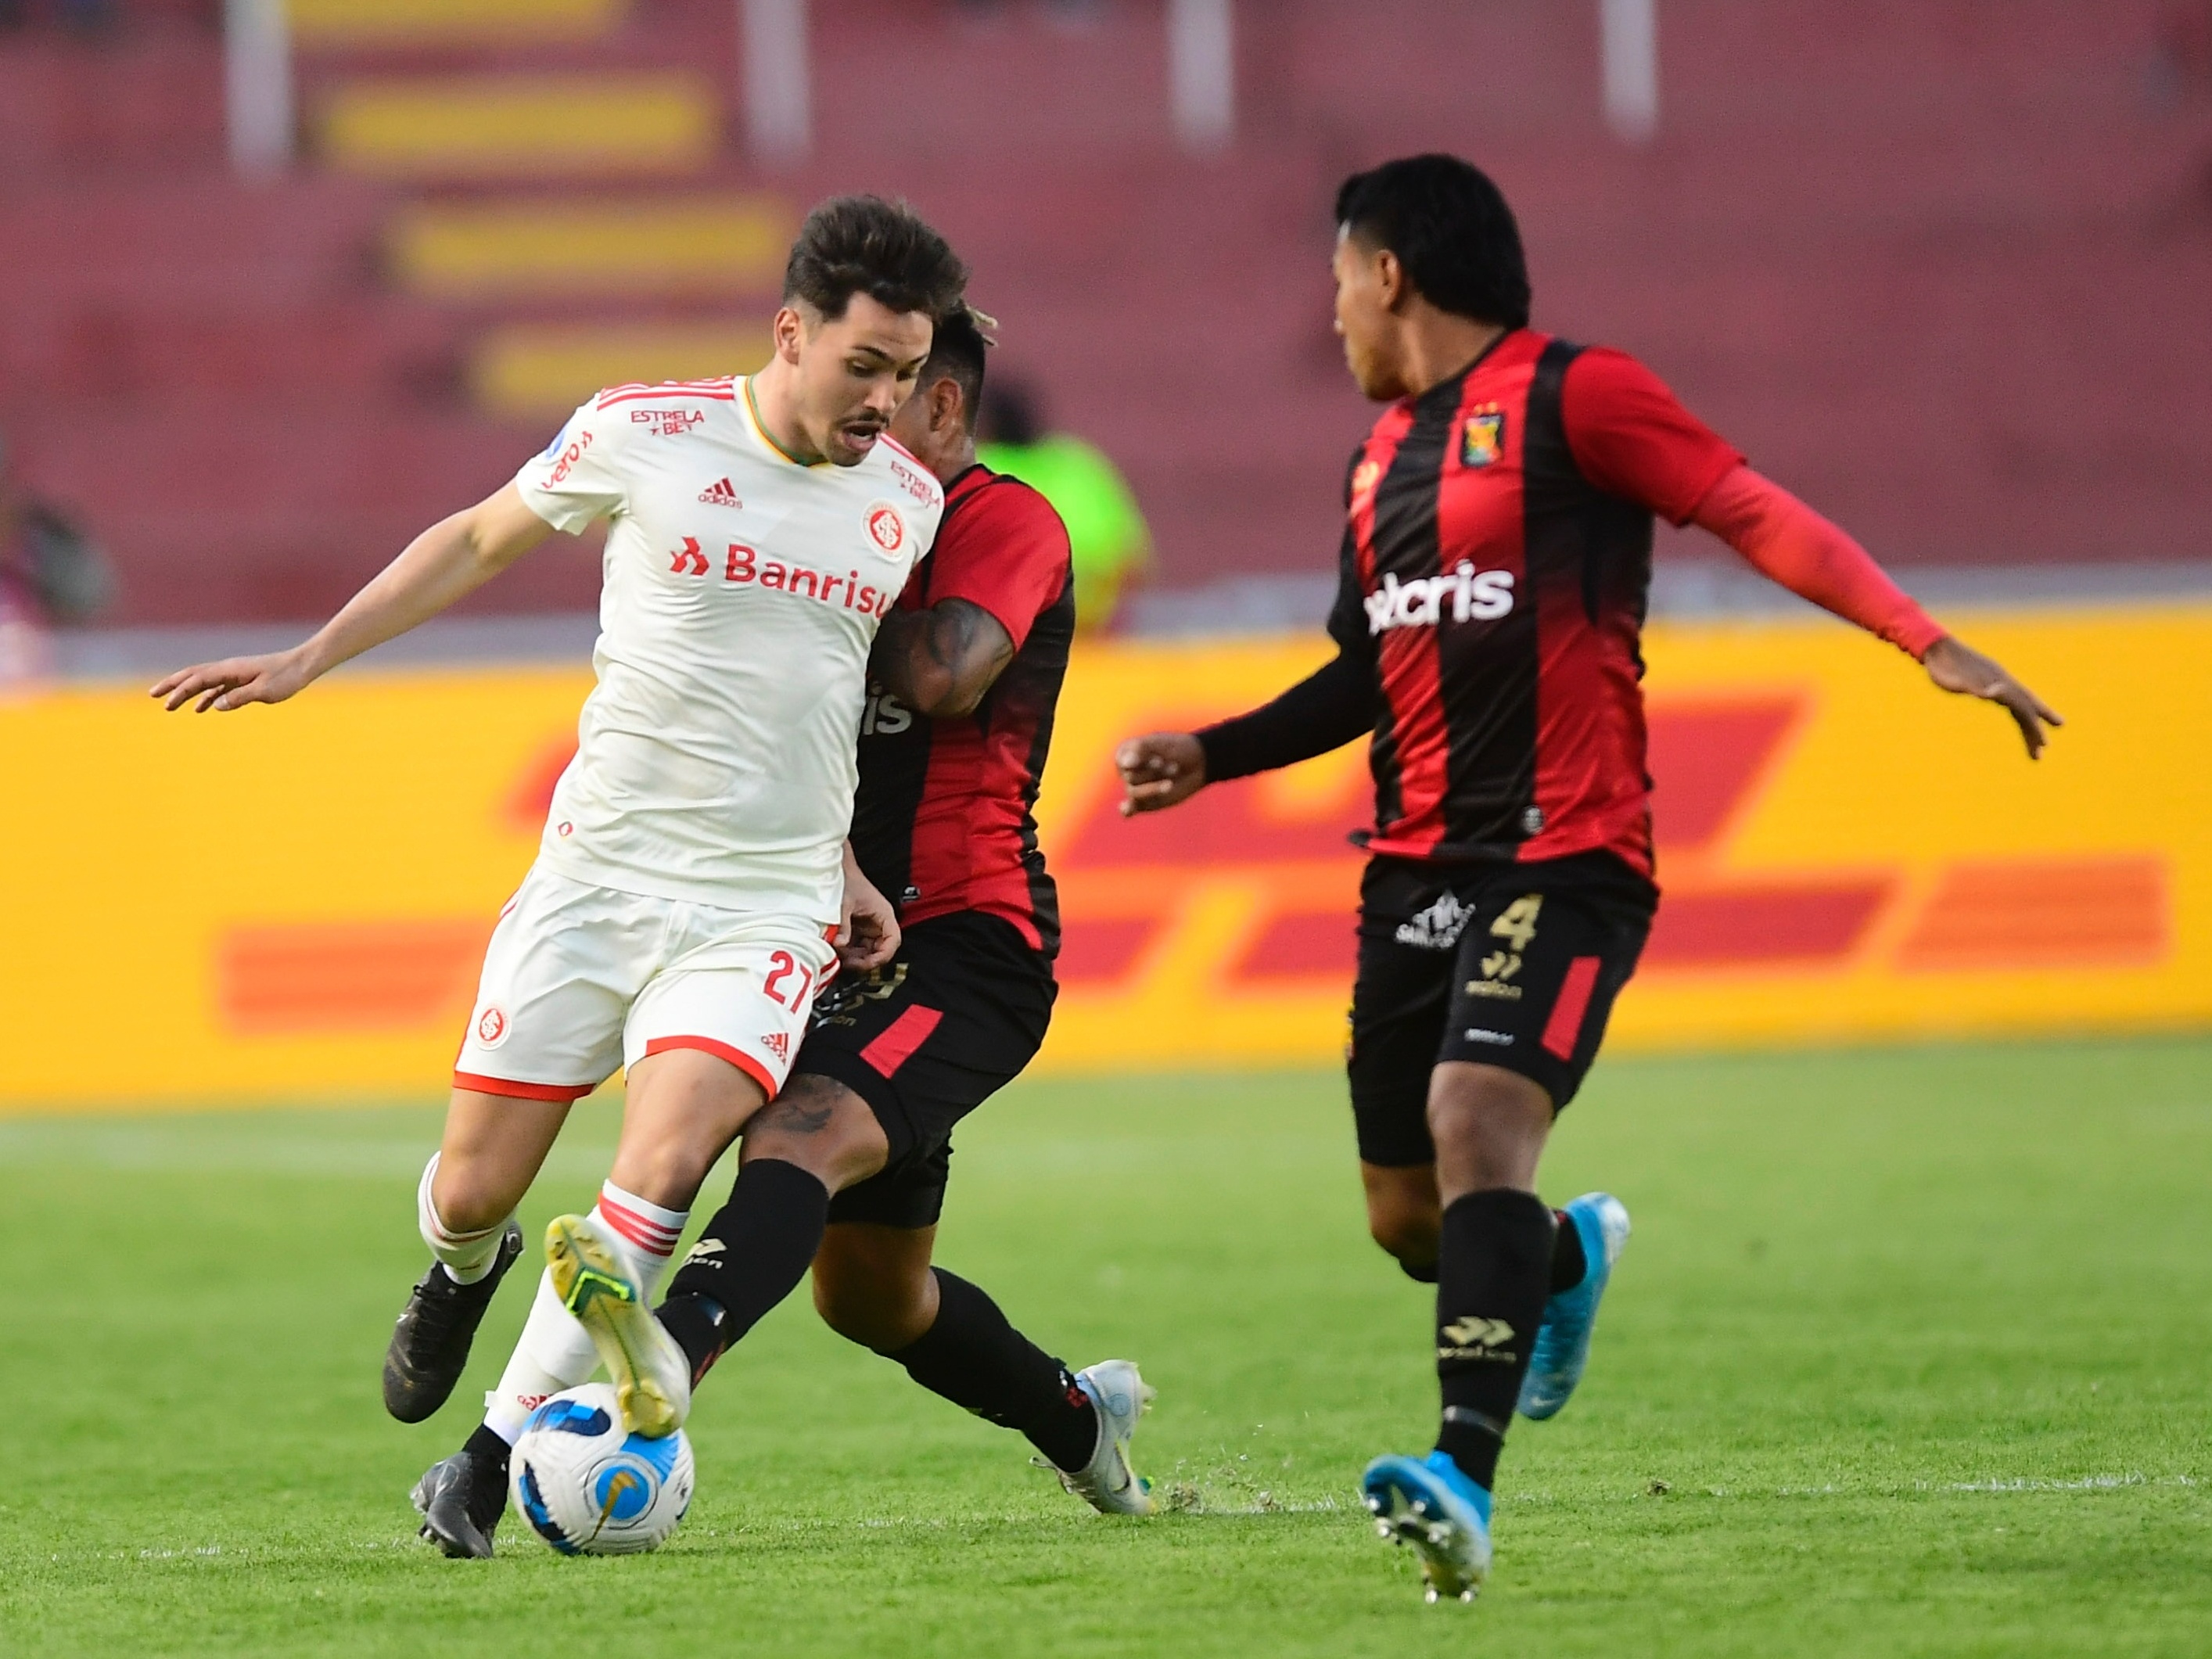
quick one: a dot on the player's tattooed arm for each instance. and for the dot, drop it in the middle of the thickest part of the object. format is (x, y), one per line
(941, 661)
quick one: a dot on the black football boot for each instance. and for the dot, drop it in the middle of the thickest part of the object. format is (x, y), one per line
(462, 1499)
(430, 1343)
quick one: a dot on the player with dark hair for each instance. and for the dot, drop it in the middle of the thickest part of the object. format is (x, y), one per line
(967, 673)
(1495, 566)
(693, 888)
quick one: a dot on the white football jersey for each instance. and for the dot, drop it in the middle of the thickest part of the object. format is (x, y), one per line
(742, 591)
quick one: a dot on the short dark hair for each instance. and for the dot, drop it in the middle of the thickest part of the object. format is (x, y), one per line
(957, 354)
(1450, 229)
(864, 245)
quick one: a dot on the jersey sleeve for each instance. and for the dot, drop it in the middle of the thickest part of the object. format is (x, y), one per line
(1787, 542)
(1631, 438)
(579, 477)
(1005, 550)
(1325, 710)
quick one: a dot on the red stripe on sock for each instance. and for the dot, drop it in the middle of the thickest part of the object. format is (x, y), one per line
(1564, 1027)
(642, 1231)
(895, 1045)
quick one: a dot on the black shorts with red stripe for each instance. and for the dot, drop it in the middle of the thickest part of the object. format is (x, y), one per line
(1512, 965)
(925, 1040)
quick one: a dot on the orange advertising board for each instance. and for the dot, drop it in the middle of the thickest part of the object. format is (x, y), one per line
(289, 903)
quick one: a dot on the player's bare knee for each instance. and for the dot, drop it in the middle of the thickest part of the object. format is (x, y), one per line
(1489, 1126)
(883, 1313)
(469, 1198)
(1411, 1238)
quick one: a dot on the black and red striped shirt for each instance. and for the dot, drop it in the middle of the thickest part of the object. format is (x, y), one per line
(1495, 569)
(943, 819)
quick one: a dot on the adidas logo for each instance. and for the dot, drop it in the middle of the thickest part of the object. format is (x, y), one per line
(777, 1043)
(719, 494)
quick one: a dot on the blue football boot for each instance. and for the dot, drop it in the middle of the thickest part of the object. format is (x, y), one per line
(1562, 1346)
(1429, 1503)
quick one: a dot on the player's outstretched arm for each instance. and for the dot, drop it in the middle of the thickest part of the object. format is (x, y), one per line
(1957, 666)
(941, 661)
(447, 562)
(1159, 770)
(1788, 543)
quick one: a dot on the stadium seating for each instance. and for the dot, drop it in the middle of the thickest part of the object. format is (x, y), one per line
(1939, 267)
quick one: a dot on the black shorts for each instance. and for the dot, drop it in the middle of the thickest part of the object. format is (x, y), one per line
(1513, 965)
(925, 1040)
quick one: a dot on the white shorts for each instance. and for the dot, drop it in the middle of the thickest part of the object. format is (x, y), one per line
(578, 980)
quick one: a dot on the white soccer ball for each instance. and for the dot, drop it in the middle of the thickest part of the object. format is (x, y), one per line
(589, 1488)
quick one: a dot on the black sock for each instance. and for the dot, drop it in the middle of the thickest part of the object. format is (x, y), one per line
(978, 1361)
(487, 1442)
(1569, 1266)
(768, 1234)
(1421, 1273)
(1493, 1276)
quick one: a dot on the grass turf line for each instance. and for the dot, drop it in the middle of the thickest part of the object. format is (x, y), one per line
(1906, 1356)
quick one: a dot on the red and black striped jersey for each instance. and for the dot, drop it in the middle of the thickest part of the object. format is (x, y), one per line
(943, 819)
(1496, 564)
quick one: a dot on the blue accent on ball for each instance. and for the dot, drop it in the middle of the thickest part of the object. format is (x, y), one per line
(569, 1417)
(621, 1491)
(656, 1455)
(540, 1517)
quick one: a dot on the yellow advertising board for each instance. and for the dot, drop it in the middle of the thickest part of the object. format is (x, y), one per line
(291, 902)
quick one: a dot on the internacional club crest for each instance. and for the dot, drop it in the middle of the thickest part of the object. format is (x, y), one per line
(887, 530)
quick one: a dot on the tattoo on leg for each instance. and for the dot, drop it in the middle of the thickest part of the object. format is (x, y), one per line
(804, 1109)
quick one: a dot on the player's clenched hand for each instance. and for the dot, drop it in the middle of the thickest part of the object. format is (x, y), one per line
(867, 927)
(1158, 770)
(1957, 666)
(234, 682)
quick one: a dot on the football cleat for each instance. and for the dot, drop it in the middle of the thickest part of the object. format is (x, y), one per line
(652, 1377)
(1562, 1344)
(430, 1343)
(1429, 1503)
(461, 1499)
(1107, 1482)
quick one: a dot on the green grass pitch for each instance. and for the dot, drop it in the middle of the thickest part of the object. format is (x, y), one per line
(1908, 1355)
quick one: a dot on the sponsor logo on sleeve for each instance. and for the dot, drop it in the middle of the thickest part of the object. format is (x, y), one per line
(571, 454)
(492, 1026)
(667, 422)
(922, 488)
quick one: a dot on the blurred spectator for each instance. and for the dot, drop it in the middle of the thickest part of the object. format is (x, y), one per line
(51, 573)
(2181, 57)
(87, 17)
(1106, 532)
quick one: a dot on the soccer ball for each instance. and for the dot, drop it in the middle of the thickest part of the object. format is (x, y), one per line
(591, 1488)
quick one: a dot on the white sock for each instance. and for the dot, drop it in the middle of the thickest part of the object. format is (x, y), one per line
(554, 1353)
(644, 1233)
(467, 1256)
